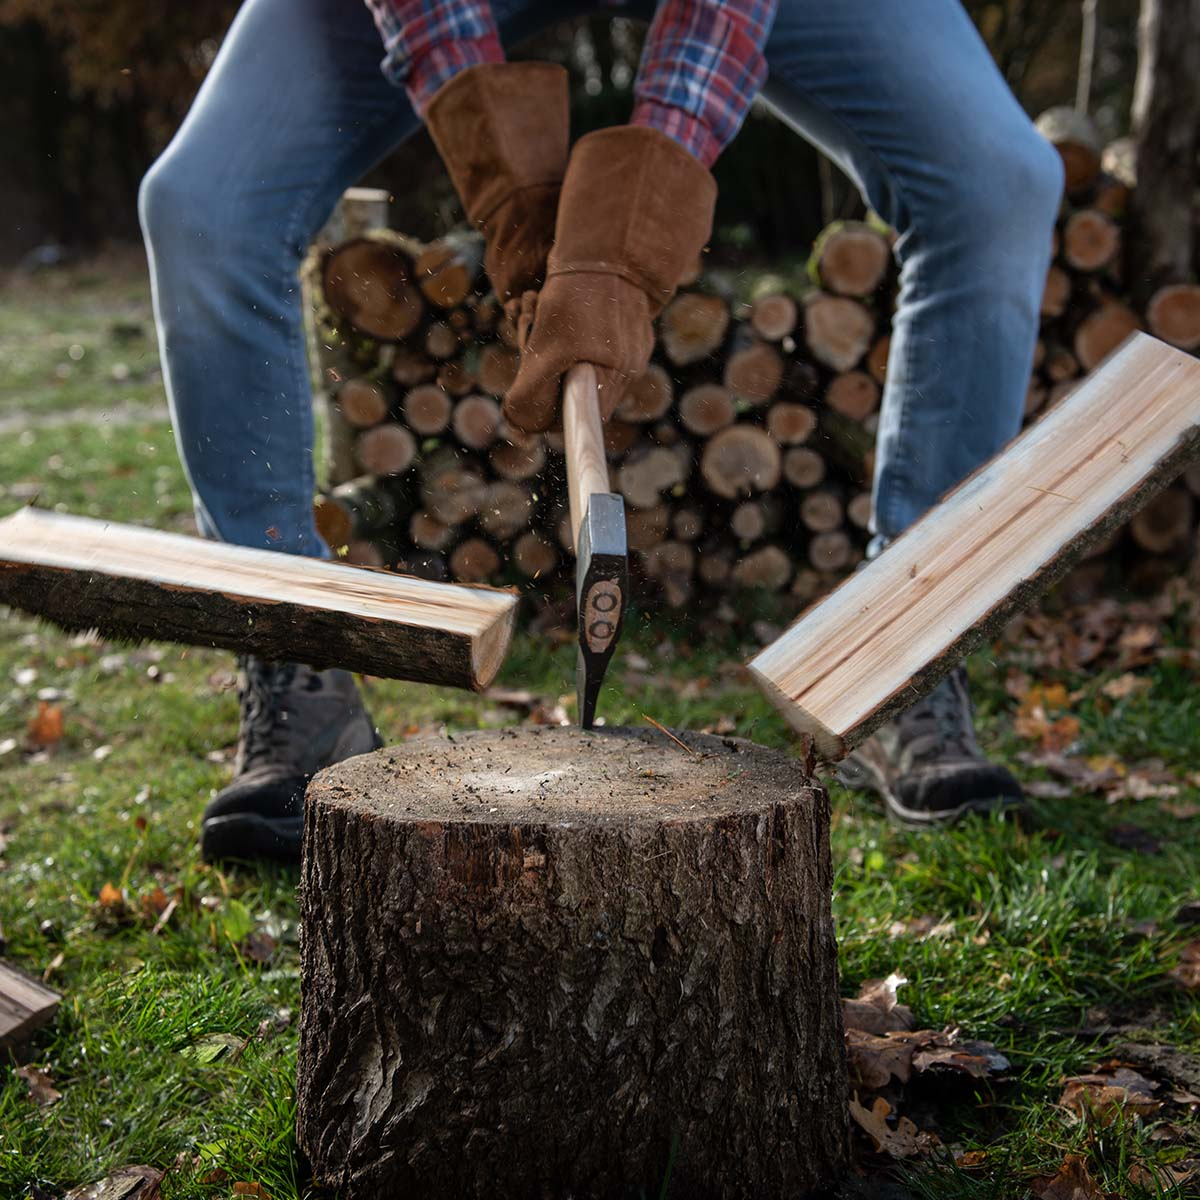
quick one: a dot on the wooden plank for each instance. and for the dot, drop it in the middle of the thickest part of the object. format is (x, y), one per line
(25, 1005)
(130, 582)
(893, 630)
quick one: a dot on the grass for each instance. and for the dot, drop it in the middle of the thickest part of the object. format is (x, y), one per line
(176, 1046)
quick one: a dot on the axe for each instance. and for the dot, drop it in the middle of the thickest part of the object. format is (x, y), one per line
(598, 526)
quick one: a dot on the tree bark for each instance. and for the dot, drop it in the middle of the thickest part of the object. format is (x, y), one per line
(538, 962)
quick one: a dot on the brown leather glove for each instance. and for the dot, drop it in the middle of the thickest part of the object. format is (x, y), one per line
(636, 210)
(502, 130)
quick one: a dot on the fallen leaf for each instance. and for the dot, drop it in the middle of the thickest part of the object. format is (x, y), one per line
(153, 904)
(875, 1060)
(876, 1009)
(214, 1047)
(1161, 1176)
(41, 1086)
(1106, 1096)
(46, 726)
(970, 1159)
(905, 1141)
(1125, 686)
(111, 897)
(127, 1183)
(977, 1059)
(259, 947)
(1181, 812)
(1128, 836)
(251, 1189)
(1187, 973)
(1073, 1182)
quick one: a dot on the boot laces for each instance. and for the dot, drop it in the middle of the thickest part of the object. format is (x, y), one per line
(264, 708)
(939, 725)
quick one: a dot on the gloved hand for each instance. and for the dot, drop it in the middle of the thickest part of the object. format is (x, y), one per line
(502, 130)
(636, 209)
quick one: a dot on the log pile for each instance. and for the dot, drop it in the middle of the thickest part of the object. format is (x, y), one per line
(745, 454)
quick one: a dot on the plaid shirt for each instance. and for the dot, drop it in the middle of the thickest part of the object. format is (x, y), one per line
(701, 67)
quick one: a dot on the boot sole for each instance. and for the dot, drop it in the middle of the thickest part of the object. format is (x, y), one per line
(246, 837)
(860, 776)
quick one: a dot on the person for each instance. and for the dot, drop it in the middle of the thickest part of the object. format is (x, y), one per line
(584, 246)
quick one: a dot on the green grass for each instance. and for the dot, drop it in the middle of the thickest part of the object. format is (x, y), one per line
(178, 1047)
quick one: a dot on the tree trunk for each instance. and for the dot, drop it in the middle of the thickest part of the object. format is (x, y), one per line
(541, 963)
(1166, 121)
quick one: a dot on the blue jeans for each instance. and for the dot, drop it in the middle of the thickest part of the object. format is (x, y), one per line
(904, 97)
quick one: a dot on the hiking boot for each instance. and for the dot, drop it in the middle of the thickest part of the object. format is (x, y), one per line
(294, 722)
(927, 765)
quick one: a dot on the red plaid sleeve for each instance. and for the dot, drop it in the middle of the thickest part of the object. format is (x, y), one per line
(701, 69)
(427, 42)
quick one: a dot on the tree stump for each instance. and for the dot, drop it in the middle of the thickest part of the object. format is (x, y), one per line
(539, 962)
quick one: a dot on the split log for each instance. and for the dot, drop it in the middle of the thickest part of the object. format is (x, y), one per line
(1075, 138)
(25, 1006)
(877, 359)
(692, 327)
(426, 532)
(619, 436)
(1057, 293)
(451, 489)
(644, 527)
(739, 461)
(838, 330)
(1035, 399)
(541, 1005)
(506, 509)
(672, 566)
(1059, 364)
(368, 284)
(706, 408)
(990, 547)
(754, 373)
(497, 369)
(1090, 240)
(821, 511)
(687, 524)
(365, 508)
(474, 561)
(534, 556)
(130, 582)
(411, 367)
(715, 565)
(363, 402)
(858, 510)
(1164, 526)
(333, 522)
(456, 378)
(385, 450)
(849, 258)
(476, 422)
(648, 398)
(1102, 331)
(424, 564)
(830, 551)
(361, 210)
(803, 467)
(790, 424)
(427, 410)
(1173, 314)
(643, 477)
(518, 458)
(363, 553)
(441, 341)
(448, 270)
(768, 567)
(754, 519)
(854, 394)
(773, 317)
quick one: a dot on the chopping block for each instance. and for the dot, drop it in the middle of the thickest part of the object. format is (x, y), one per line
(546, 962)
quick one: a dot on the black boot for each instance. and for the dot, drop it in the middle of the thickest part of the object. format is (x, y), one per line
(927, 764)
(294, 722)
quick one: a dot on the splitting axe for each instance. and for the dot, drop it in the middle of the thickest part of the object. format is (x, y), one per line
(598, 527)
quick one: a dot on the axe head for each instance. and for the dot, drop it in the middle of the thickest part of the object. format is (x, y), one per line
(601, 593)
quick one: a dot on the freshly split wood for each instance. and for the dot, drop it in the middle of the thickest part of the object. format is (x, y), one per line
(890, 632)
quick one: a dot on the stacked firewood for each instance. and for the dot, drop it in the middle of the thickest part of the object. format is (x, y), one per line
(746, 452)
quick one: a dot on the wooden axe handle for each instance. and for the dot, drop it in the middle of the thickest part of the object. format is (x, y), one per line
(587, 467)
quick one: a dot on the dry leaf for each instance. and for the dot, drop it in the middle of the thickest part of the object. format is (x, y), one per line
(1125, 686)
(1106, 1096)
(1073, 1182)
(46, 726)
(875, 1060)
(1181, 812)
(153, 904)
(1187, 973)
(111, 897)
(259, 947)
(876, 1009)
(977, 1059)
(41, 1086)
(905, 1141)
(128, 1183)
(251, 1189)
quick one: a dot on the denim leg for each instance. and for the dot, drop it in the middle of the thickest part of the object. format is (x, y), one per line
(906, 99)
(293, 111)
